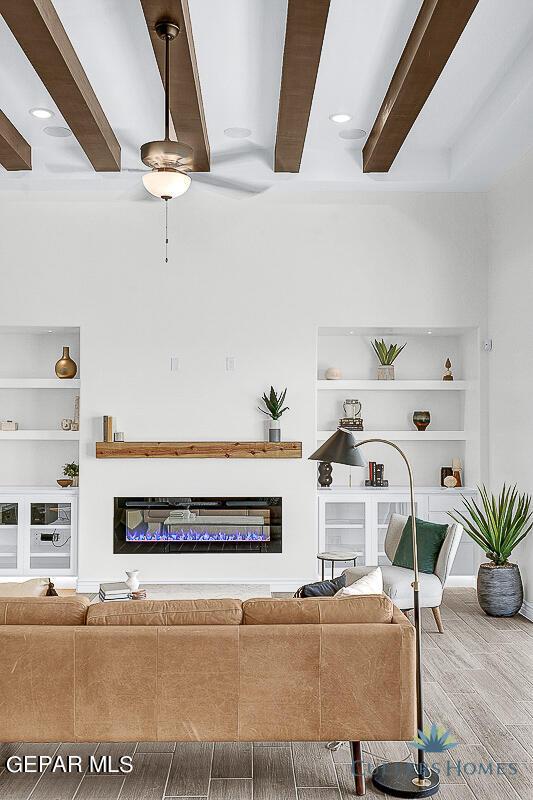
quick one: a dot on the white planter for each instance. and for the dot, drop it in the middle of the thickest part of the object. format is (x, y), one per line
(274, 431)
(386, 373)
(133, 580)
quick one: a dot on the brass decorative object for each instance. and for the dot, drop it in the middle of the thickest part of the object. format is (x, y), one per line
(448, 374)
(66, 367)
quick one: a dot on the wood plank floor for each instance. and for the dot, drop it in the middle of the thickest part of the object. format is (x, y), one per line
(478, 683)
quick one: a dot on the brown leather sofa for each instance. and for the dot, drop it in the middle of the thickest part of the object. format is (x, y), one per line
(206, 670)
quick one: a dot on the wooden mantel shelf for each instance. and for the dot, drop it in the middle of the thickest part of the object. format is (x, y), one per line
(198, 449)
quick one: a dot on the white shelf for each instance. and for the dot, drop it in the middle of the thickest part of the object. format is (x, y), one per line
(348, 525)
(28, 435)
(404, 436)
(391, 386)
(49, 555)
(40, 383)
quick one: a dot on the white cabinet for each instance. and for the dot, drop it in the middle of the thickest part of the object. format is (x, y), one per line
(356, 519)
(38, 531)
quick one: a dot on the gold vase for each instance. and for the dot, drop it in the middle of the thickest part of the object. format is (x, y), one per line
(66, 367)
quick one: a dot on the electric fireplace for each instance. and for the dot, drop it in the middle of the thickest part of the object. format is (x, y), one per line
(197, 525)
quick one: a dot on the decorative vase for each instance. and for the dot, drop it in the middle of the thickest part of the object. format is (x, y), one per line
(421, 419)
(133, 580)
(325, 478)
(64, 482)
(333, 374)
(66, 367)
(499, 589)
(274, 431)
(386, 372)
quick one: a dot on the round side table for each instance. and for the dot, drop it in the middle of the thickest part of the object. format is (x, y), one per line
(346, 555)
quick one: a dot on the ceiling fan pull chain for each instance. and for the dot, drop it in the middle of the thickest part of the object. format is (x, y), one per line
(166, 231)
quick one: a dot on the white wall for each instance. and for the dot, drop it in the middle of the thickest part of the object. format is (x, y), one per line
(250, 279)
(510, 325)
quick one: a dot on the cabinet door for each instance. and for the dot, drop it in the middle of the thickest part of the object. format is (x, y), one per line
(468, 553)
(51, 528)
(385, 509)
(9, 537)
(344, 530)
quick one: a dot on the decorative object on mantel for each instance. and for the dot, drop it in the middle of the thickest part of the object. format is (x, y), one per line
(66, 367)
(497, 527)
(448, 374)
(333, 374)
(118, 436)
(72, 471)
(351, 421)
(9, 425)
(375, 476)
(274, 409)
(198, 449)
(387, 356)
(457, 471)
(421, 419)
(108, 429)
(338, 450)
(133, 579)
(64, 483)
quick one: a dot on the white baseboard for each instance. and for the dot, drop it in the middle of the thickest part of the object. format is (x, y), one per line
(527, 610)
(276, 585)
(461, 582)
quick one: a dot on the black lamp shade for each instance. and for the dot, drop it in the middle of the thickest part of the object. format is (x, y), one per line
(340, 449)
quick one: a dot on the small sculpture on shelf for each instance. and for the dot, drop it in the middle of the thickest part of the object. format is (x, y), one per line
(448, 374)
(352, 421)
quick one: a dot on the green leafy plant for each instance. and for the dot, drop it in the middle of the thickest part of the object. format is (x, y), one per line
(499, 524)
(274, 403)
(71, 470)
(386, 355)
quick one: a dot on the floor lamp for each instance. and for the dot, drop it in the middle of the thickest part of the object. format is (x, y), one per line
(397, 778)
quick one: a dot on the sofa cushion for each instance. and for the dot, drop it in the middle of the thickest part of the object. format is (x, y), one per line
(43, 610)
(429, 539)
(314, 610)
(35, 587)
(326, 588)
(166, 612)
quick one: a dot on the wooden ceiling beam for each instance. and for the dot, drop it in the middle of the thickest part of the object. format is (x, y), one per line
(15, 152)
(304, 36)
(38, 30)
(186, 106)
(436, 31)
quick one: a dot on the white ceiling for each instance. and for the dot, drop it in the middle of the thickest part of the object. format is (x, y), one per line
(477, 122)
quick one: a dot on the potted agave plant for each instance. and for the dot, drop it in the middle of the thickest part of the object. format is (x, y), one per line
(274, 408)
(497, 527)
(387, 357)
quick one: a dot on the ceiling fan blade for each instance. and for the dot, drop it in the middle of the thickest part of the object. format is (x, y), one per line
(228, 185)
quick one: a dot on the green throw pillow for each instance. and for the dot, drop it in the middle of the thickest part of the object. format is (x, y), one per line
(429, 539)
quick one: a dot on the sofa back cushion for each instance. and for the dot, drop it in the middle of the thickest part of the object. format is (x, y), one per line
(35, 587)
(43, 610)
(314, 610)
(166, 612)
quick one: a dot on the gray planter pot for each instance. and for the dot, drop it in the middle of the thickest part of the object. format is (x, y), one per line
(499, 590)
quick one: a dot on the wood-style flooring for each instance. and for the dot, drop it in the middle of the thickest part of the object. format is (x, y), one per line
(478, 684)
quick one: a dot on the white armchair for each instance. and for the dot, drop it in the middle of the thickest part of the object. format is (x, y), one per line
(397, 581)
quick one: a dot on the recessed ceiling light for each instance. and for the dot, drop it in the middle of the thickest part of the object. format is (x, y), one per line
(237, 133)
(351, 333)
(339, 118)
(58, 131)
(41, 113)
(429, 333)
(352, 133)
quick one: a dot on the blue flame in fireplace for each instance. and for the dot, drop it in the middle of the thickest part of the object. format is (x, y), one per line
(192, 535)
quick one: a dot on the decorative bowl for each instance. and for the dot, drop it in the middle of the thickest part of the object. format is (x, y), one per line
(65, 483)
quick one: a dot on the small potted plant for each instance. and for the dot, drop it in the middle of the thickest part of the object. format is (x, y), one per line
(72, 472)
(387, 357)
(274, 408)
(497, 527)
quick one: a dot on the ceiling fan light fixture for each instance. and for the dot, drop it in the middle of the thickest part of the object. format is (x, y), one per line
(166, 183)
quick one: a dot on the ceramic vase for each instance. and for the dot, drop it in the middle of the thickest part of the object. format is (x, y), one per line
(133, 580)
(66, 367)
(386, 372)
(421, 419)
(499, 590)
(274, 431)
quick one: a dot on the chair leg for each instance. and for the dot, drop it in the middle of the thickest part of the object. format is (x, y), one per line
(358, 767)
(438, 619)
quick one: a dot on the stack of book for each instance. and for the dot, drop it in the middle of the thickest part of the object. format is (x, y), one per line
(114, 591)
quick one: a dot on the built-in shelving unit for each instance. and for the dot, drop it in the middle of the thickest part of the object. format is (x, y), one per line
(391, 386)
(40, 383)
